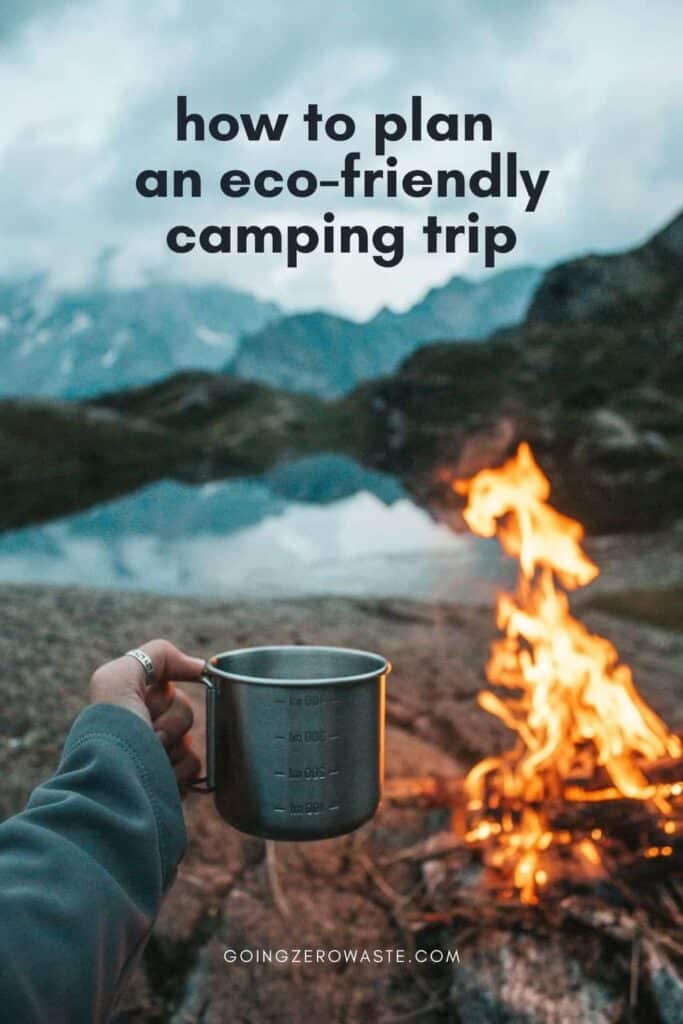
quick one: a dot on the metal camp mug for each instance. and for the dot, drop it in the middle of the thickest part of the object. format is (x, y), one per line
(295, 739)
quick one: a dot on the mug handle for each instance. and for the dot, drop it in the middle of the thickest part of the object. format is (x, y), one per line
(207, 783)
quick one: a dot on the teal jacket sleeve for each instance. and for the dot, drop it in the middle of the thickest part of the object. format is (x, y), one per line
(83, 870)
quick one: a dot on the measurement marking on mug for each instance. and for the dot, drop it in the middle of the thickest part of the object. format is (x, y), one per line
(309, 700)
(310, 807)
(309, 773)
(310, 736)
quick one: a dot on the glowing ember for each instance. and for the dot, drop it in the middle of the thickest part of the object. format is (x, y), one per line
(573, 706)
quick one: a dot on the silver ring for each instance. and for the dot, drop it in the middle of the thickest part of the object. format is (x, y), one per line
(144, 660)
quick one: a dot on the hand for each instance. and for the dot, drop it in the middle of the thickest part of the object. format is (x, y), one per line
(164, 708)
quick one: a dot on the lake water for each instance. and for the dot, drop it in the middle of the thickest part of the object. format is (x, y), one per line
(320, 525)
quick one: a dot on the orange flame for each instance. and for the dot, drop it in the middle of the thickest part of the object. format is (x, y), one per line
(572, 704)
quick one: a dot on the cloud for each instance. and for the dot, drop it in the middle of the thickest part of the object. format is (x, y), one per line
(15, 13)
(594, 97)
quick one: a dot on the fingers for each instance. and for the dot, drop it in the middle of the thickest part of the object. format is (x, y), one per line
(188, 768)
(175, 720)
(170, 710)
(170, 663)
(159, 697)
(186, 764)
(172, 727)
(177, 751)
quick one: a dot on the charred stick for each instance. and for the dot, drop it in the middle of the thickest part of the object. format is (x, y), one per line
(424, 791)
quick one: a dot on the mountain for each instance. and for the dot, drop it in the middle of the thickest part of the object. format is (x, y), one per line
(327, 355)
(639, 285)
(468, 309)
(593, 379)
(86, 342)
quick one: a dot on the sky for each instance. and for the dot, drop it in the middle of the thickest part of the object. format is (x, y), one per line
(591, 90)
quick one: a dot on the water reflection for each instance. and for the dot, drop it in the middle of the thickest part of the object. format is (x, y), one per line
(320, 525)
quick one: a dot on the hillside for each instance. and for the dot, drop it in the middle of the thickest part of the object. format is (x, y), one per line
(642, 285)
(328, 355)
(593, 379)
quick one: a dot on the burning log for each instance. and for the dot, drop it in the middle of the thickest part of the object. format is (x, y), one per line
(444, 791)
(637, 844)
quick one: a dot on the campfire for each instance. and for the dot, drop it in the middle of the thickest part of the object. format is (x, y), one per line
(592, 784)
(584, 735)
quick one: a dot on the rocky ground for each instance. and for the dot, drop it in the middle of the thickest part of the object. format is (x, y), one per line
(337, 893)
